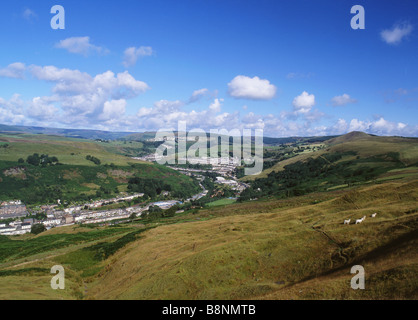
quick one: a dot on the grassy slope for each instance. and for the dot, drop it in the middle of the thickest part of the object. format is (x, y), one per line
(365, 145)
(295, 248)
(25, 273)
(246, 256)
(80, 175)
(23, 145)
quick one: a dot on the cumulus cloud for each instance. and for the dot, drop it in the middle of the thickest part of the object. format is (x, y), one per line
(342, 100)
(42, 108)
(81, 100)
(79, 45)
(167, 114)
(253, 121)
(132, 54)
(75, 81)
(243, 87)
(303, 103)
(216, 105)
(395, 35)
(113, 109)
(86, 99)
(61, 76)
(380, 126)
(14, 70)
(12, 110)
(15, 103)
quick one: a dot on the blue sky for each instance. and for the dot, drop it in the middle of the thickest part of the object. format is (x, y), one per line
(287, 67)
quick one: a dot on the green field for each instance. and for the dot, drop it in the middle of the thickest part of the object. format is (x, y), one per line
(221, 202)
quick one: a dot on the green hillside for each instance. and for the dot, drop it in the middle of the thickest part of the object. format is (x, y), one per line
(289, 247)
(363, 145)
(353, 159)
(296, 248)
(75, 178)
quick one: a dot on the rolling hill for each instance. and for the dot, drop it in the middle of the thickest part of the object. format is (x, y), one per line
(291, 247)
(69, 133)
(296, 248)
(355, 146)
(75, 178)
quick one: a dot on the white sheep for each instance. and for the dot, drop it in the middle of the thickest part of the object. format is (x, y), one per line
(360, 220)
(374, 215)
(347, 221)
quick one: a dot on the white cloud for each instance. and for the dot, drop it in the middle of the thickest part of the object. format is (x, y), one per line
(380, 126)
(168, 106)
(42, 108)
(340, 127)
(28, 14)
(79, 45)
(244, 87)
(197, 94)
(303, 103)
(397, 33)
(342, 100)
(75, 81)
(86, 99)
(12, 110)
(14, 70)
(129, 86)
(166, 114)
(54, 74)
(357, 125)
(14, 103)
(81, 100)
(253, 121)
(9, 117)
(132, 54)
(113, 109)
(216, 105)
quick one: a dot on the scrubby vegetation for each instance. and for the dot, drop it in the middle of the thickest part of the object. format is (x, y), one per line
(41, 185)
(37, 228)
(41, 160)
(93, 159)
(321, 173)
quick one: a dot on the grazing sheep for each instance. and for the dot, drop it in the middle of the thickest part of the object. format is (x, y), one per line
(347, 221)
(374, 215)
(360, 220)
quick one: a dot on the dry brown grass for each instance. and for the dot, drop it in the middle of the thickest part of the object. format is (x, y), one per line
(247, 256)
